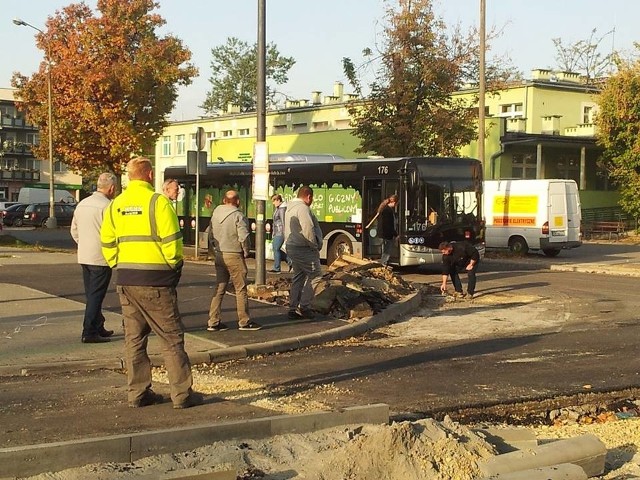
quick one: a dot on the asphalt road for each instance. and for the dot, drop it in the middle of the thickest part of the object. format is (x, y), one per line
(595, 351)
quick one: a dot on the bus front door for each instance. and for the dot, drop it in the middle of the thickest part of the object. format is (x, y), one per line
(374, 192)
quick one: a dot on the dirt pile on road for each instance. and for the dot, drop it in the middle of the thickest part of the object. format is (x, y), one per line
(420, 450)
(351, 289)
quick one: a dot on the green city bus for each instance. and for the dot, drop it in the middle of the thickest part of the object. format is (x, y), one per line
(439, 199)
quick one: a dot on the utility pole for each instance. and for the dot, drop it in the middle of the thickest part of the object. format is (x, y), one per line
(482, 82)
(261, 137)
(52, 222)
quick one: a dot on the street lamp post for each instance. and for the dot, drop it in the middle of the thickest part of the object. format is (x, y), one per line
(51, 221)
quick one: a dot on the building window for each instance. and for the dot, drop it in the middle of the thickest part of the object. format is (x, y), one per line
(299, 127)
(211, 135)
(33, 138)
(8, 110)
(476, 111)
(340, 124)
(320, 126)
(33, 164)
(243, 132)
(279, 129)
(192, 142)
(587, 114)
(59, 167)
(568, 167)
(180, 145)
(166, 146)
(227, 133)
(511, 110)
(523, 165)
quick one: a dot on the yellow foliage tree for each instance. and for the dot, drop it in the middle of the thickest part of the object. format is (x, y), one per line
(114, 81)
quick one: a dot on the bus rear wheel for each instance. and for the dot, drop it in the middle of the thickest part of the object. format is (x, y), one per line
(518, 246)
(340, 245)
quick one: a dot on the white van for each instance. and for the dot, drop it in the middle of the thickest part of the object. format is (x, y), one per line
(41, 195)
(532, 214)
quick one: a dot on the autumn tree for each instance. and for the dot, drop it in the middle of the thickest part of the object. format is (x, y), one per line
(234, 79)
(410, 109)
(618, 122)
(114, 81)
(585, 56)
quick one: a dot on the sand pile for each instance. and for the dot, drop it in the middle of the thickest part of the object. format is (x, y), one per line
(420, 450)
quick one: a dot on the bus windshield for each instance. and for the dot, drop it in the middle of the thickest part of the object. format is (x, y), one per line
(435, 203)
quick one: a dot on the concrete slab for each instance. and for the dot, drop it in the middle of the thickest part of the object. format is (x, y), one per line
(34, 459)
(586, 451)
(509, 439)
(565, 471)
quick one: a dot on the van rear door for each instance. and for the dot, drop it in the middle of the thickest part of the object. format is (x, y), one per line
(558, 212)
(574, 213)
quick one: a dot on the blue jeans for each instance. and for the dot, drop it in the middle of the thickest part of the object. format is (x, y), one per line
(387, 246)
(96, 282)
(277, 241)
(306, 275)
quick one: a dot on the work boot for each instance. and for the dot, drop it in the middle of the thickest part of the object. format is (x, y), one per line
(149, 397)
(192, 400)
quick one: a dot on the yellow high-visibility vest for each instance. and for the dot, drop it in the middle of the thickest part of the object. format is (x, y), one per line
(141, 237)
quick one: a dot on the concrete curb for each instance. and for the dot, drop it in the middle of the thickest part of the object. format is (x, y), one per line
(35, 459)
(392, 312)
(57, 367)
(620, 269)
(586, 451)
(508, 439)
(565, 471)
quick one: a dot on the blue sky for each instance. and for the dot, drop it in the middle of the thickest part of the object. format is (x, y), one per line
(319, 33)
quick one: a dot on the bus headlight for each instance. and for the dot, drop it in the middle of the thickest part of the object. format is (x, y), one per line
(417, 248)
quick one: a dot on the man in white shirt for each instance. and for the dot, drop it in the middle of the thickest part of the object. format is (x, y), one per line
(85, 230)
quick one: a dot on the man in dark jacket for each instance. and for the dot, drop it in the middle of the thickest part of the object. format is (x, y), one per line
(459, 256)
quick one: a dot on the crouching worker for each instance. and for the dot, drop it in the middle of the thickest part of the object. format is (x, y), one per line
(459, 257)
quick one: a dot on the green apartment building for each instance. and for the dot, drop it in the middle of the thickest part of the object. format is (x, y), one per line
(536, 128)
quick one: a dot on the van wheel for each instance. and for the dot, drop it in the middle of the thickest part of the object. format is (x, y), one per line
(551, 252)
(44, 223)
(518, 246)
(340, 245)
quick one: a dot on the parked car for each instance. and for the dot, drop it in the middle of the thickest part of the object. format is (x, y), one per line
(36, 214)
(4, 205)
(13, 216)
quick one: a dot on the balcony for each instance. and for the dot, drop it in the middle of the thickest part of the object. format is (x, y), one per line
(581, 130)
(9, 121)
(20, 175)
(18, 148)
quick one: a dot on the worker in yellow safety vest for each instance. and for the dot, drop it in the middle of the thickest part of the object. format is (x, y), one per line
(141, 239)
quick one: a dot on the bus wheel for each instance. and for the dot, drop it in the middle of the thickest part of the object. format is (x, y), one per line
(518, 245)
(551, 252)
(340, 245)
